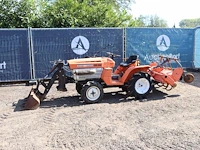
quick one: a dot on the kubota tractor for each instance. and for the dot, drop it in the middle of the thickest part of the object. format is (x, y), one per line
(92, 75)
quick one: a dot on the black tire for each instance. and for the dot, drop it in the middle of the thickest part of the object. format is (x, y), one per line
(124, 88)
(92, 92)
(140, 85)
(79, 87)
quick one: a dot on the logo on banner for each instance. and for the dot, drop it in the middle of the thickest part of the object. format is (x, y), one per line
(163, 42)
(2, 66)
(80, 45)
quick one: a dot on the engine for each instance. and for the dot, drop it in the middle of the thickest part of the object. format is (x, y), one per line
(89, 68)
(87, 73)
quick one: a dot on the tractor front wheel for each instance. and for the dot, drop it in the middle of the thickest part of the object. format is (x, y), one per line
(92, 92)
(140, 85)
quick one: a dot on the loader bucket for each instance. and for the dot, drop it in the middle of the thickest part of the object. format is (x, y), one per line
(32, 101)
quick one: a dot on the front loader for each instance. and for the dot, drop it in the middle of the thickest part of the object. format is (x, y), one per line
(92, 75)
(35, 96)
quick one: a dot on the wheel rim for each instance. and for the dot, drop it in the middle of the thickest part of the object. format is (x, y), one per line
(93, 93)
(142, 86)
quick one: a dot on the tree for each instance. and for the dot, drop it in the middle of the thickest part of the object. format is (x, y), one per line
(19, 13)
(121, 4)
(7, 13)
(151, 21)
(189, 23)
(64, 13)
(84, 13)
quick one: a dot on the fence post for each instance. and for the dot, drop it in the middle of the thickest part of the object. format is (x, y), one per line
(31, 54)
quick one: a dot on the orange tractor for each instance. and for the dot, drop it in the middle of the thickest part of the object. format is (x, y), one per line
(92, 75)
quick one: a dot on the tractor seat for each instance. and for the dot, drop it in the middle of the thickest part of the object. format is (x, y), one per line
(130, 60)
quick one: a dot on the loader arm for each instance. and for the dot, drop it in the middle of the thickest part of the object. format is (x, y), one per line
(36, 96)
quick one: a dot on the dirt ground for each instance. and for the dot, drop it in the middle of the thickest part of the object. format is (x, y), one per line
(167, 120)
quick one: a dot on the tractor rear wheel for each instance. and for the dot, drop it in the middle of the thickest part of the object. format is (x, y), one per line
(140, 85)
(92, 92)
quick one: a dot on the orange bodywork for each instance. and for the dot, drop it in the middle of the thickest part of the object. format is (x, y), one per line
(165, 75)
(107, 74)
(125, 73)
(121, 69)
(98, 62)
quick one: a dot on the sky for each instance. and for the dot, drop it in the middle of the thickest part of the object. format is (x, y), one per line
(173, 11)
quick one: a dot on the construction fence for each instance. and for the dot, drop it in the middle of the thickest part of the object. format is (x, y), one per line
(28, 54)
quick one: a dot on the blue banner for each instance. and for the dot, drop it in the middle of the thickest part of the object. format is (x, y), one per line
(197, 48)
(48, 45)
(53, 44)
(14, 58)
(150, 43)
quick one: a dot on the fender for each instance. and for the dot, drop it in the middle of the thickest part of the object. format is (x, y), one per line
(132, 70)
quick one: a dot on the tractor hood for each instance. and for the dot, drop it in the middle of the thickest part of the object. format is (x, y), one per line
(97, 62)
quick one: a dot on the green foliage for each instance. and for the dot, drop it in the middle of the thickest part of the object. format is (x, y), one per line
(17, 13)
(63, 13)
(71, 13)
(85, 13)
(121, 4)
(151, 21)
(189, 23)
(7, 13)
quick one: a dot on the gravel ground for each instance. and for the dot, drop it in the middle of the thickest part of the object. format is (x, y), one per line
(167, 120)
